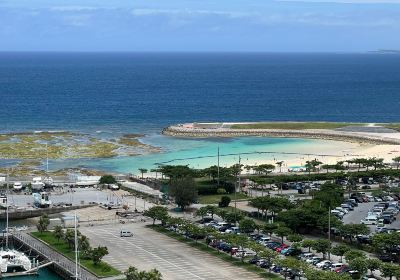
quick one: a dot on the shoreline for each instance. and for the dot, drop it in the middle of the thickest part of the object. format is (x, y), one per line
(192, 130)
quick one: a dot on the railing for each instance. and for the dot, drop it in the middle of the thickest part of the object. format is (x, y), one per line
(57, 258)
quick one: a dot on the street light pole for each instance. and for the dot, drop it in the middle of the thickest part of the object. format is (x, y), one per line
(329, 231)
(236, 191)
(218, 167)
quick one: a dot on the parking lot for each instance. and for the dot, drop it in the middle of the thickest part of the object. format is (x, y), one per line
(361, 211)
(148, 249)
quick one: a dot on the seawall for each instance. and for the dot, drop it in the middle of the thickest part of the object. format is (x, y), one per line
(180, 131)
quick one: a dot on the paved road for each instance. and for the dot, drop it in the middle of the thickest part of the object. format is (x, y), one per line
(148, 249)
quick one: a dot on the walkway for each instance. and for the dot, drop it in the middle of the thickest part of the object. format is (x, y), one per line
(53, 256)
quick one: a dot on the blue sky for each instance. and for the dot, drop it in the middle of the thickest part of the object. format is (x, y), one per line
(199, 25)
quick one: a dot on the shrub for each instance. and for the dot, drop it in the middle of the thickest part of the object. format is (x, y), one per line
(221, 191)
(225, 200)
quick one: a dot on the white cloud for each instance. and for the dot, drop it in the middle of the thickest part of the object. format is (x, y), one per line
(188, 12)
(73, 8)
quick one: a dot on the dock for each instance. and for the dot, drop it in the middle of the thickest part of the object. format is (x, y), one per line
(57, 261)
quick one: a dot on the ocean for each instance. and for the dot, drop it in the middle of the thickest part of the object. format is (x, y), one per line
(118, 93)
(144, 92)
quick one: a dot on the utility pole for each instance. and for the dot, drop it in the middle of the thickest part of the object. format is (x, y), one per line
(218, 167)
(76, 248)
(329, 231)
(236, 191)
(7, 210)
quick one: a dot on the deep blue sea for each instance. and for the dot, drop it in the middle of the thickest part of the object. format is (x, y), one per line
(144, 92)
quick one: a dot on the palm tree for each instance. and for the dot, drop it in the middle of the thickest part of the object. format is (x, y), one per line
(143, 170)
(280, 163)
(397, 161)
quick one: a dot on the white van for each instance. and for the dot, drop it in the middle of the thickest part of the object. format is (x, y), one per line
(336, 266)
(370, 220)
(125, 233)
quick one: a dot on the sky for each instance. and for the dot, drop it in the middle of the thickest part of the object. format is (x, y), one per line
(200, 25)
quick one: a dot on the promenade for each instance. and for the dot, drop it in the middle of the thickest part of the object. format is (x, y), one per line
(58, 259)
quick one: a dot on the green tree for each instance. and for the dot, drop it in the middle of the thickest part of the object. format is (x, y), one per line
(351, 230)
(43, 223)
(134, 274)
(58, 232)
(212, 210)
(107, 179)
(69, 237)
(312, 274)
(386, 242)
(290, 263)
(269, 228)
(202, 211)
(339, 250)
(282, 232)
(84, 245)
(373, 264)
(225, 200)
(240, 241)
(247, 225)
(389, 270)
(184, 191)
(294, 237)
(359, 264)
(269, 255)
(97, 254)
(156, 213)
(330, 195)
(143, 171)
(308, 243)
(279, 163)
(397, 162)
(322, 246)
(354, 254)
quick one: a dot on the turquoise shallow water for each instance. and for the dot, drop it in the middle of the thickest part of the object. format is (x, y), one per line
(44, 274)
(200, 153)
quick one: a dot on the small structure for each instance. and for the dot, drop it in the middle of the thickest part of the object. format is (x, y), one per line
(84, 181)
(54, 222)
(41, 200)
(69, 221)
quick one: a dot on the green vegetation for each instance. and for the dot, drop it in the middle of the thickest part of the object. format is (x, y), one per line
(107, 179)
(294, 125)
(101, 269)
(134, 274)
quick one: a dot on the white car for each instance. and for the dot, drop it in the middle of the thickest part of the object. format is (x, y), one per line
(370, 220)
(322, 263)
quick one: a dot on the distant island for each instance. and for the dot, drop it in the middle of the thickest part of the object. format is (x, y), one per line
(383, 133)
(387, 51)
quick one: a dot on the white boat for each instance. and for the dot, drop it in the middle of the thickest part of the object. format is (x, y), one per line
(17, 186)
(3, 201)
(11, 260)
(48, 181)
(37, 184)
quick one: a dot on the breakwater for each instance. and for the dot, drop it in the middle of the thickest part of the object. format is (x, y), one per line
(183, 131)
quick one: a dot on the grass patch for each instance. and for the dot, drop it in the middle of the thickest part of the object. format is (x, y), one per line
(221, 255)
(102, 270)
(294, 125)
(215, 198)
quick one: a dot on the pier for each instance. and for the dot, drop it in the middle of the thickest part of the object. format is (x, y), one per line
(57, 261)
